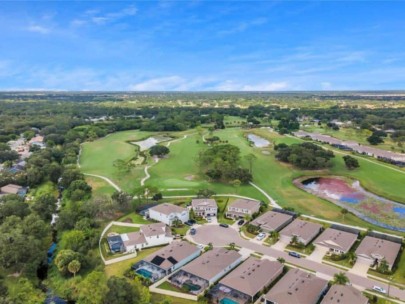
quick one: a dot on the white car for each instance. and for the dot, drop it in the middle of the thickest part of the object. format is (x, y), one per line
(261, 236)
(201, 246)
(379, 289)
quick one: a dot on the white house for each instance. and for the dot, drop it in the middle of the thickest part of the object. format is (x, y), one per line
(149, 236)
(204, 207)
(168, 213)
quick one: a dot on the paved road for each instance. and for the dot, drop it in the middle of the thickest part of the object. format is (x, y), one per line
(220, 236)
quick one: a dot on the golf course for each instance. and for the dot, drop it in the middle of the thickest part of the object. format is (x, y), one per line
(178, 174)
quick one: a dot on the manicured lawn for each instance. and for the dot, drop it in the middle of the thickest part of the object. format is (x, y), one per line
(306, 250)
(270, 240)
(99, 186)
(168, 286)
(181, 230)
(222, 207)
(97, 157)
(398, 276)
(344, 262)
(248, 234)
(121, 229)
(118, 269)
(158, 298)
(135, 218)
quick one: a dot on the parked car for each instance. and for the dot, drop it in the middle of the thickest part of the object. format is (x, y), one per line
(379, 289)
(201, 246)
(224, 225)
(193, 231)
(192, 221)
(241, 222)
(261, 236)
(188, 223)
(294, 254)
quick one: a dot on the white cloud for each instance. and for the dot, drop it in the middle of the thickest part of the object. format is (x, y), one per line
(95, 17)
(35, 28)
(230, 85)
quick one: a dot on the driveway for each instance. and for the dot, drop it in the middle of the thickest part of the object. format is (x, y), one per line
(280, 245)
(360, 268)
(220, 236)
(318, 254)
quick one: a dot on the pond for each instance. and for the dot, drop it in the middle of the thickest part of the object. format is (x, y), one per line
(258, 141)
(150, 142)
(350, 195)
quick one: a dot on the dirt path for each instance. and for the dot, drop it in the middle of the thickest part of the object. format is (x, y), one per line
(115, 186)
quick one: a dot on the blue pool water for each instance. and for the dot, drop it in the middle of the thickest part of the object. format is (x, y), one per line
(145, 273)
(400, 210)
(227, 301)
(350, 200)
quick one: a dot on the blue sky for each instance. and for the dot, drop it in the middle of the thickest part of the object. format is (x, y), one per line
(202, 45)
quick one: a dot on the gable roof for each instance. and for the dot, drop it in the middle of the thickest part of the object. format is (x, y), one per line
(340, 294)
(272, 220)
(211, 263)
(133, 238)
(371, 247)
(302, 229)
(203, 202)
(297, 286)
(252, 276)
(245, 204)
(336, 239)
(168, 209)
(172, 254)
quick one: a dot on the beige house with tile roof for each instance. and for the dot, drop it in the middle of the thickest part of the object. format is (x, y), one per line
(342, 294)
(241, 208)
(297, 286)
(272, 221)
(303, 230)
(338, 242)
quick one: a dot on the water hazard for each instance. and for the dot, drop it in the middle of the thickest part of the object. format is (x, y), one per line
(350, 195)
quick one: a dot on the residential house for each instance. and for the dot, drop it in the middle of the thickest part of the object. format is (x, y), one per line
(204, 207)
(13, 189)
(272, 221)
(342, 294)
(337, 241)
(241, 208)
(168, 259)
(150, 235)
(373, 250)
(205, 270)
(245, 282)
(297, 286)
(303, 230)
(168, 213)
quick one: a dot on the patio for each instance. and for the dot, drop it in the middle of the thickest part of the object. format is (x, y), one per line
(193, 284)
(148, 271)
(223, 294)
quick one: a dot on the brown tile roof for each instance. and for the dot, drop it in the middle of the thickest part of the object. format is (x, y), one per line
(133, 238)
(10, 189)
(155, 229)
(372, 247)
(242, 203)
(272, 220)
(204, 202)
(336, 239)
(211, 263)
(341, 294)
(302, 229)
(253, 275)
(297, 286)
(168, 209)
(173, 254)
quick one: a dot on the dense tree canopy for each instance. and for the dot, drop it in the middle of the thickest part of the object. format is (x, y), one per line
(307, 155)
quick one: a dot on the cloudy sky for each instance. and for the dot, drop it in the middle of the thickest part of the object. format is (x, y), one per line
(202, 45)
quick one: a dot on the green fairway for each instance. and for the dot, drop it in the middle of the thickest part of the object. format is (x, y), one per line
(99, 186)
(97, 157)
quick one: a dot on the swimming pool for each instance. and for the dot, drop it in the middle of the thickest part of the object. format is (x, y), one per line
(145, 273)
(227, 301)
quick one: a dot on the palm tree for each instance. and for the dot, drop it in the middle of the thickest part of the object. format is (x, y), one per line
(250, 158)
(232, 246)
(294, 240)
(340, 278)
(344, 211)
(352, 257)
(281, 260)
(210, 246)
(74, 267)
(383, 266)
